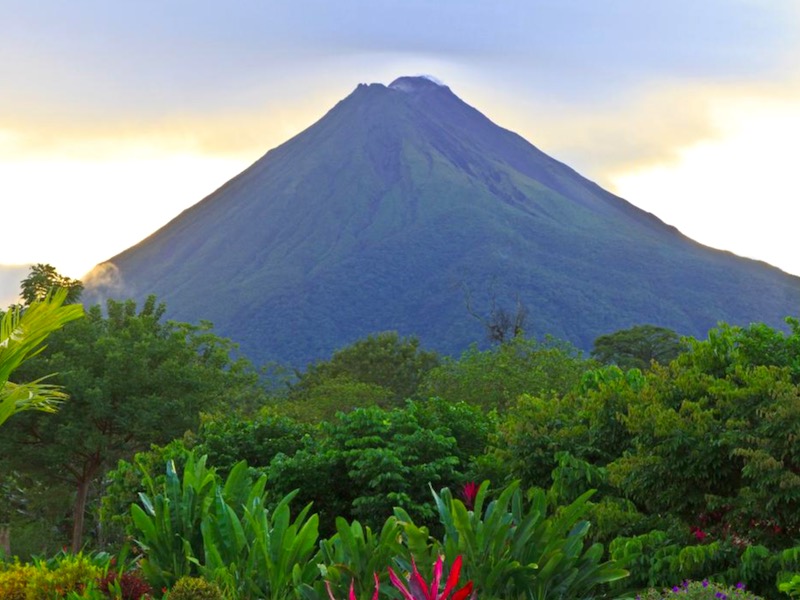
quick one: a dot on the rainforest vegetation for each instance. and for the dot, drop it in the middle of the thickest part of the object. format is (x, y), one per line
(524, 468)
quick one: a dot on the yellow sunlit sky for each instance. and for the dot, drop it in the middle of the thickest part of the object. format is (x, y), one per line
(116, 116)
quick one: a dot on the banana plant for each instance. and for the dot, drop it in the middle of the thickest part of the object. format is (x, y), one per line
(168, 522)
(256, 552)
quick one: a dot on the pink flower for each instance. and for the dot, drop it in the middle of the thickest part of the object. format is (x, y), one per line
(419, 589)
(469, 492)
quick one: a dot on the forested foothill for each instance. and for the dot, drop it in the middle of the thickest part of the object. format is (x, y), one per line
(162, 464)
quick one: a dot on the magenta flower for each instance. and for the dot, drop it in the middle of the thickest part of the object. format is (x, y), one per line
(418, 589)
(469, 492)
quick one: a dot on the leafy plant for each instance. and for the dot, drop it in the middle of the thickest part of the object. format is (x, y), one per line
(61, 575)
(513, 548)
(418, 589)
(260, 553)
(791, 585)
(168, 523)
(354, 555)
(22, 336)
(128, 585)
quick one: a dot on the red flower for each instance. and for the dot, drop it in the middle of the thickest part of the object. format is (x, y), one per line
(469, 492)
(419, 590)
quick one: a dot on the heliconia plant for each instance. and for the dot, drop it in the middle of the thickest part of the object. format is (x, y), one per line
(418, 589)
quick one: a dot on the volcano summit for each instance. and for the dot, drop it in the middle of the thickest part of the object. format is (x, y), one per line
(401, 198)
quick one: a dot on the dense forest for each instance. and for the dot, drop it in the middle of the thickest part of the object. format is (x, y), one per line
(534, 470)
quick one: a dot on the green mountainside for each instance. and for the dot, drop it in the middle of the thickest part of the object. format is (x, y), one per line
(380, 216)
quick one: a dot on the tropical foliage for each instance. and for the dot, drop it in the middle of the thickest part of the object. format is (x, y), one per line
(360, 477)
(23, 332)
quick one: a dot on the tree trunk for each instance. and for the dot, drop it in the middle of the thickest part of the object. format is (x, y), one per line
(79, 511)
(5, 540)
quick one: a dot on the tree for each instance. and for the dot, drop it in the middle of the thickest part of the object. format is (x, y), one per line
(43, 279)
(494, 378)
(501, 325)
(638, 347)
(365, 462)
(384, 360)
(22, 336)
(133, 380)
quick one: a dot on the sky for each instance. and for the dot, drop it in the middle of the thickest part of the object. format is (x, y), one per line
(116, 116)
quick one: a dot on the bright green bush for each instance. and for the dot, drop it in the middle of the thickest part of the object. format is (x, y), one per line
(195, 588)
(14, 578)
(790, 585)
(61, 575)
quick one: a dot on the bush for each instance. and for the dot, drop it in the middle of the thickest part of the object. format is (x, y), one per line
(195, 588)
(14, 579)
(700, 590)
(127, 586)
(61, 575)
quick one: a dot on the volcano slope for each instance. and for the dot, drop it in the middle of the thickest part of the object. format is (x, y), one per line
(403, 202)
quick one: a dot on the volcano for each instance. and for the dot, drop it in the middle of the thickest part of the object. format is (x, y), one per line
(406, 209)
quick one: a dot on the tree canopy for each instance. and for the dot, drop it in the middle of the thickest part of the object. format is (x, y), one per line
(43, 279)
(133, 380)
(638, 347)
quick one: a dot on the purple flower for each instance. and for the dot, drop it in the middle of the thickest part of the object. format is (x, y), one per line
(740, 586)
(705, 583)
(676, 589)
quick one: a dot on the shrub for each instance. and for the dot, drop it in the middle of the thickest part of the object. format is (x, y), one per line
(127, 586)
(14, 579)
(195, 588)
(700, 590)
(60, 576)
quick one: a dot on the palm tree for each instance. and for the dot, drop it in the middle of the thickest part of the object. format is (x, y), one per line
(22, 335)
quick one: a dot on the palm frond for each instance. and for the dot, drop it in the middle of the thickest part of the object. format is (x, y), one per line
(22, 335)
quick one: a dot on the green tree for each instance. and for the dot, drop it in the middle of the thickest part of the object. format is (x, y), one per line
(384, 360)
(230, 439)
(638, 347)
(365, 462)
(22, 336)
(43, 279)
(133, 380)
(326, 397)
(495, 378)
